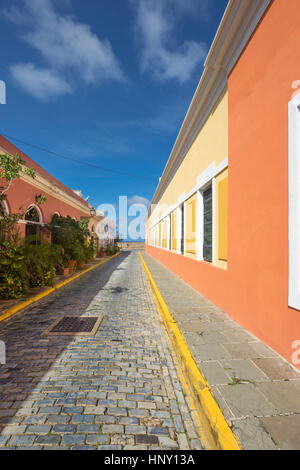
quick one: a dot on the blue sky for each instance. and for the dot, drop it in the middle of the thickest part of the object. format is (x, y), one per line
(105, 82)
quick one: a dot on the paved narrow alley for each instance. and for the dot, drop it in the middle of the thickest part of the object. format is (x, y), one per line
(116, 390)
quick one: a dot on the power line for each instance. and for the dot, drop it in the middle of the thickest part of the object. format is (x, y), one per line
(121, 173)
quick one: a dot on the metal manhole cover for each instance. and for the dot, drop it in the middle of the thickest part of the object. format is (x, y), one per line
(68, 325)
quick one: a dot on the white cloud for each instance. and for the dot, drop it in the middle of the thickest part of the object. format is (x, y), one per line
(41, 83)
(68, 46)
(138, 200)
(156, 21)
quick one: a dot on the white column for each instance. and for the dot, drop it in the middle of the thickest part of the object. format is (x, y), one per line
(214, 215)
(169, 232)
(199, 226)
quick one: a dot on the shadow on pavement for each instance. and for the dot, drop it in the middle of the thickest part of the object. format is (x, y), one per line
(29, 356)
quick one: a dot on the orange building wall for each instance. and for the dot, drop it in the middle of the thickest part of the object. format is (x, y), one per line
(22, 193)
(254, 289)
(260, 88)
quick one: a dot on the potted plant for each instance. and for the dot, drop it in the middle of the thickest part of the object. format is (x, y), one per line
(89, 249)
(71, 265)
(71, 235)
(80, 256)
(64, 271)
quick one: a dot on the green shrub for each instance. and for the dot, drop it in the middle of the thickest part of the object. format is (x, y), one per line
(71, 235)
(12, 285)
(40, 261)
(33, 262)
(36, 274)
(13, 273)
(89, 250)
(49, 276)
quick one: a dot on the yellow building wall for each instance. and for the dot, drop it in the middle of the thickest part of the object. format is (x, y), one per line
(210, 145)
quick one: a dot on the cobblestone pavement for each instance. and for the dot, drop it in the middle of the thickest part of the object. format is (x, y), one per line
(116, 390)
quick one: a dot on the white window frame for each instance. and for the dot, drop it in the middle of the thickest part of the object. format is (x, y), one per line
(200, 220)
(199, 226)
(294, 202)
(5, 207)
(41, 222)
(206, 178)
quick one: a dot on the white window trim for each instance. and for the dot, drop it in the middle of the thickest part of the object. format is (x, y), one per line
(199, 226)
(294, 203)
(183, 252)
(214, 216)
(41, 222)
(179, 226)
(205, 177)
(200, 221)
(5, 207)
(169, 232)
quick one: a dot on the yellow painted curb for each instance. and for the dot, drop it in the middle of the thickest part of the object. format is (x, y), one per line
(12, 311)
(214, 429)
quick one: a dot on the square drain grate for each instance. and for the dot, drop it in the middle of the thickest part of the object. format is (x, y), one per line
(70, 325)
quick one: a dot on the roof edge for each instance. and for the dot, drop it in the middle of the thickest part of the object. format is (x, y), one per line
(239, 21)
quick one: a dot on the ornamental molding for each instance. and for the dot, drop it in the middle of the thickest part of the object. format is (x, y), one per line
(53, 190)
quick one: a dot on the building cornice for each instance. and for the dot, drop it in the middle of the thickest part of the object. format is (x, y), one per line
(51, 189)
(236, 28)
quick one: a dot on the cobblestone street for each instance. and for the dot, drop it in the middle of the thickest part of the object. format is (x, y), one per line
(116, 390)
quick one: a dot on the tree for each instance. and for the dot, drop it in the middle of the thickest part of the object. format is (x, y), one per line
(11, 168)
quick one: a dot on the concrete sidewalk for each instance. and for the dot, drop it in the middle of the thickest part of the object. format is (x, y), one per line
(257, 391)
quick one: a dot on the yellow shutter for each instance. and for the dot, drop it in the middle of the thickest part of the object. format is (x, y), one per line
(223, 219)
(174, 231)
(190, 224)
(166, 233)
(159, 235)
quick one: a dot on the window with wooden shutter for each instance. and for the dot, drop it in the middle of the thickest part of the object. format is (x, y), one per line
(223, 220)
(190, 225)
(207, 224)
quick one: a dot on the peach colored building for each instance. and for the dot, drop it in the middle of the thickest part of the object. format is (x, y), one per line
(225, 216)
(24, 193)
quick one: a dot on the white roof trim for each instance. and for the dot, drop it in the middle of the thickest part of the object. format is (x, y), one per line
(240, 19)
